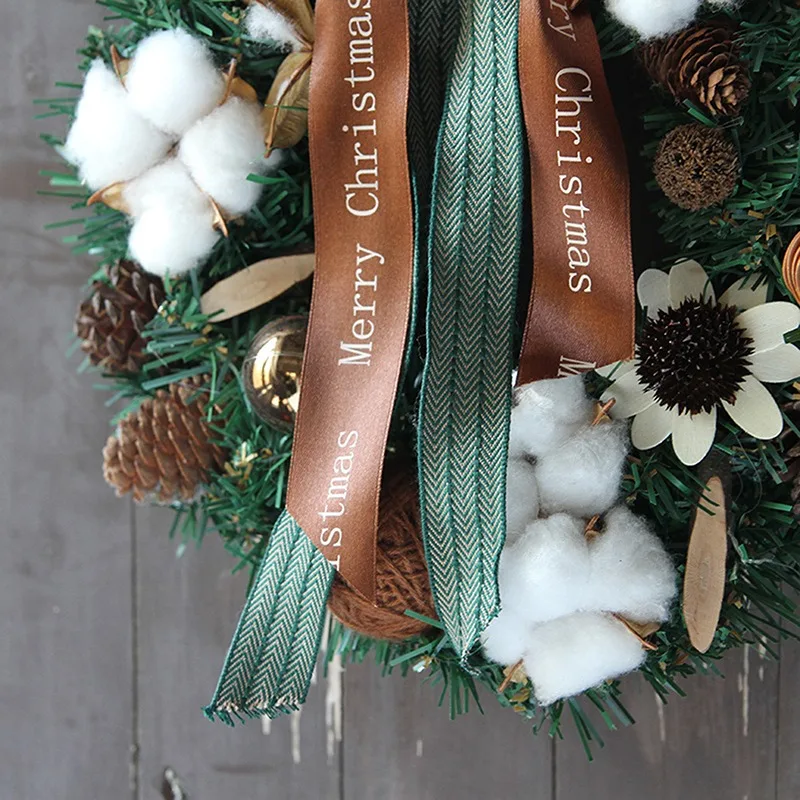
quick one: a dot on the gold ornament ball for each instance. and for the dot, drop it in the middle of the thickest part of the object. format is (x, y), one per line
(272, 369)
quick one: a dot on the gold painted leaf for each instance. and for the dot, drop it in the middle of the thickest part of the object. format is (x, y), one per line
(286, 108)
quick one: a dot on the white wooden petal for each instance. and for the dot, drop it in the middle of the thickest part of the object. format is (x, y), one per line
(744, 296)
(689, 279)
(693, 435)
(631, 398)
(767, 323)
(652, 426)
(755, 410)
(652, 289)
(778, 365)
(617, 369)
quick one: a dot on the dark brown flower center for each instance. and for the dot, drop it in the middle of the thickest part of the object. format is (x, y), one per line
(693, 356)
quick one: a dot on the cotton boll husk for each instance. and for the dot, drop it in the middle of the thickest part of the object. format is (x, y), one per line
(109, 142)
(505, 638)
(545, 573)
(266, 24)
(172, 81)
(522, 497)
(545, 414)
(582, 476)
(222, 149)
(569, 655)
(173, 230)
(654, 17)
(632, 574)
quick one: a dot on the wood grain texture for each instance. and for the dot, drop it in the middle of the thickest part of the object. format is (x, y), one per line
(65, 627)
(187, 611)
(400, 745)
(788, 722)
(717, 743)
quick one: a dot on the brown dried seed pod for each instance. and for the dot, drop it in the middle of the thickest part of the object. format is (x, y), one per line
(697, 166)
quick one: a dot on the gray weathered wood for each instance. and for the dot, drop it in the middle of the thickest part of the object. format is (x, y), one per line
(399, 745)
(787, 722)
(65, 626)
(187, 612)
(719, 742)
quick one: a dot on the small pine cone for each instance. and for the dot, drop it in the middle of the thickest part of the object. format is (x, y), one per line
(163, 450)
(700, 64)
(110, 322)
(791, 455)
(696, 166)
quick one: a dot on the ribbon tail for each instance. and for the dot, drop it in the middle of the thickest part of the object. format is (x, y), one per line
(582, 308)
(271, 659)
(465, 400)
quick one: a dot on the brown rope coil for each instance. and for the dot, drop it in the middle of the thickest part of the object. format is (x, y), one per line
(401, 572)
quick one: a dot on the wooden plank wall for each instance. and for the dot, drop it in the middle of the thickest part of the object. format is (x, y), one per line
(111, 645)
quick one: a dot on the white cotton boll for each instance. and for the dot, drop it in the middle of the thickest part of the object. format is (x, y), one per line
(109, 141)
(222, 149)
(632, 574)
(582, 476)
(522, 498)
(505, 638)
(545, 414)
(173, 230)
(654, 17)
(168, 183)
(545, 573)
(172, 81)
(266, 24)
(171, 241)
(570, 655)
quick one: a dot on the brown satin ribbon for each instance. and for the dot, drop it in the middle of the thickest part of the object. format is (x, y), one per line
(363, 279)
(582, 308)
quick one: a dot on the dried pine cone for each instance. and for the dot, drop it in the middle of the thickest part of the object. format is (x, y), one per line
(163, 450)
(109, 323)
(792, 455)
(700, 64)
(696, 166)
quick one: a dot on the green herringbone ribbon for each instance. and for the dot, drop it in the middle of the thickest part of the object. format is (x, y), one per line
(271, 659)
(465, 404)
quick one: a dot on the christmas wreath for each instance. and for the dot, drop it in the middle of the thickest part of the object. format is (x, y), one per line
(515, 461)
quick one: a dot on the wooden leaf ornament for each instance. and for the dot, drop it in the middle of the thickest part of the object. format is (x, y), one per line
(286, 107)
(791, 267)
(704, 579)
(255, 285)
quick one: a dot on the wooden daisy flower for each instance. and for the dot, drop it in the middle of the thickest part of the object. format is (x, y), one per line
(697, 353)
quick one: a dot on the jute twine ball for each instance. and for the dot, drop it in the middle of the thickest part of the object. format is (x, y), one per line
(402, 574)
(696, 166)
